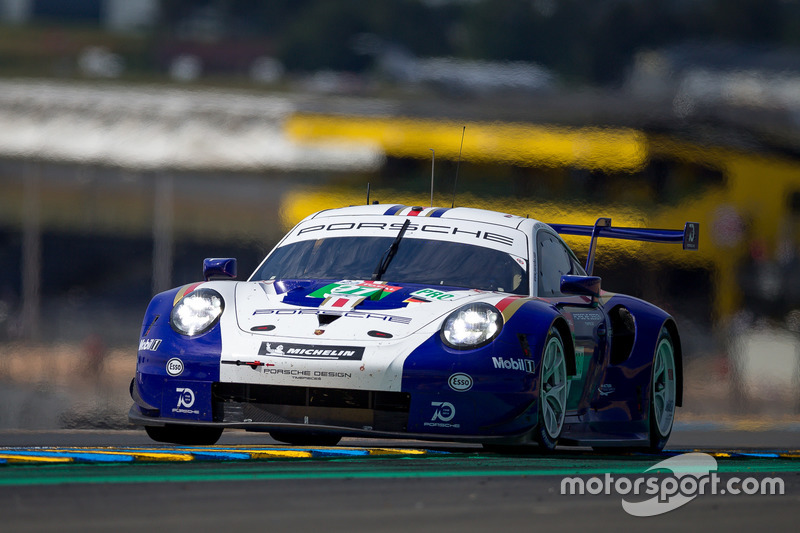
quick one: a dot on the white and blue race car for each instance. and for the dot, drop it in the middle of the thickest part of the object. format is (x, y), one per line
(407, 322)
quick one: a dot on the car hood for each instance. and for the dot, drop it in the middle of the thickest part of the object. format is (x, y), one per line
(345, 310)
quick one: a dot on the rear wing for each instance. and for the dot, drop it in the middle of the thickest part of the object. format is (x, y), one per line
(689, 237)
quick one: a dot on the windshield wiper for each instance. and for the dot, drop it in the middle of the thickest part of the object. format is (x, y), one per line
(388, 255)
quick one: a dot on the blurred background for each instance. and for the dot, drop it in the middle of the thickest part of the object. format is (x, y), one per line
(138, 137)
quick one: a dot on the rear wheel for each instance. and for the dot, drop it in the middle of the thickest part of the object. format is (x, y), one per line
(552, 392)
(185, 435)
(663, 393)
(297, 438)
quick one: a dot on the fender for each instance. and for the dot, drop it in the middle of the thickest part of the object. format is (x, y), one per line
(160, 345)
(621, 405)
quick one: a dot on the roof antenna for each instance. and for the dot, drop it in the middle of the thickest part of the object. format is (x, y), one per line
(367, 193)
(458, 164)
(433, 160)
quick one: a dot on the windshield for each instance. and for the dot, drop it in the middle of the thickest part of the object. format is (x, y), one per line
(429, 262)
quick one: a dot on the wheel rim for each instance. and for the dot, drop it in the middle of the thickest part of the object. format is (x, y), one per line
(664, 387)
(553, 395)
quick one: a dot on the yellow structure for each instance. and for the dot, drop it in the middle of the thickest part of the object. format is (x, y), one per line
(748, 208)
(511, 143)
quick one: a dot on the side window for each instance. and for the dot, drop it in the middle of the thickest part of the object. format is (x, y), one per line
(554, 261)
(577, 267)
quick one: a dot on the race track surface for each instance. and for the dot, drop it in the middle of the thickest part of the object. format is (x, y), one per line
(121, 481)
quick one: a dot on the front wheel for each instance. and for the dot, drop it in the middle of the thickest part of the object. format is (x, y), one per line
(663, 393)
(184, 435)
(552, 392)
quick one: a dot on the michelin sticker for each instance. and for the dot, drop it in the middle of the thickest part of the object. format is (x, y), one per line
(310, 351)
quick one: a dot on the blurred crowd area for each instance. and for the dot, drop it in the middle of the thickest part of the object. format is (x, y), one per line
(138, 137)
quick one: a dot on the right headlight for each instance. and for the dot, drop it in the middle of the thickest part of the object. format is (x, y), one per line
(472, 326)
(197, 312)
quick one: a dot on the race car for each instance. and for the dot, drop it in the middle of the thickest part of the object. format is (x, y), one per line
(394, 321)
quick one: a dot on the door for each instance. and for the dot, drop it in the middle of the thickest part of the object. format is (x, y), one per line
(587, 320)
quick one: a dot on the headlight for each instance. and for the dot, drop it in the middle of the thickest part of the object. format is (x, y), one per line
(472, 326)
(197, 312)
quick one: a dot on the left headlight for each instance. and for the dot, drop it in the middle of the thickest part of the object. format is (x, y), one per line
(197, 312)
(472, 326)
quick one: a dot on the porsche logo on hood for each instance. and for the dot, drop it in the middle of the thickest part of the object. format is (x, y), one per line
(306, 309)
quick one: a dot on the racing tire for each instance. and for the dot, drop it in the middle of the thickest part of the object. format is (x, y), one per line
(662, 397)
(663, 393)
(184, 435)
(553, 389)
(296, 438)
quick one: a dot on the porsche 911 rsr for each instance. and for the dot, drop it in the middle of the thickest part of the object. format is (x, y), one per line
(408, 322)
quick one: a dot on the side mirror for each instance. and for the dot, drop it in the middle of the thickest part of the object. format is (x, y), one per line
(219, 268)
(581, 285)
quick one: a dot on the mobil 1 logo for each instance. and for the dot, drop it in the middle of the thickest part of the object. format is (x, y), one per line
(517, 363)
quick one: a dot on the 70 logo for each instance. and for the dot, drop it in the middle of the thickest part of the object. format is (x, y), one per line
(186, 397)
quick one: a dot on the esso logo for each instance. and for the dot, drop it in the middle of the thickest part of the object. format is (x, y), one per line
(175, 367)
(460, 382)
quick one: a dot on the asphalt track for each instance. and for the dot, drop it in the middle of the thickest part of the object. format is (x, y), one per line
(120, 481)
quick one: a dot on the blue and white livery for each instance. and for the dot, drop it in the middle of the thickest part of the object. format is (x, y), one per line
(408, 322)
